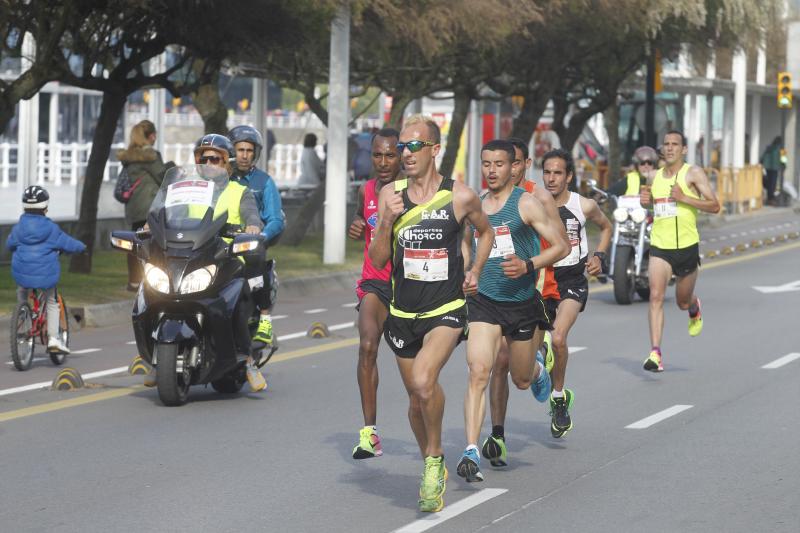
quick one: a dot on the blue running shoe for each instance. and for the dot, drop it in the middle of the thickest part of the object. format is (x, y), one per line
(469, 467)
(541, 387)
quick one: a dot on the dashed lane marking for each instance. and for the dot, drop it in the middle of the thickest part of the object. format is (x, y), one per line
(645, 423)
(315, 311)
(279, 317)
(85, 350)
(450, 511)
(351, 304)
(781, 361)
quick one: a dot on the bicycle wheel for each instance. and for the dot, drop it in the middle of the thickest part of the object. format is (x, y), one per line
(58, 358)
(21, 339)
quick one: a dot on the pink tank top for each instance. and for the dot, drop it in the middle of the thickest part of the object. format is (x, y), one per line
(370, 214)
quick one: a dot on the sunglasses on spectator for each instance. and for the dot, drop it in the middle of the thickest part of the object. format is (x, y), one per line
(648, 162)
(213, 159)
(413, 146)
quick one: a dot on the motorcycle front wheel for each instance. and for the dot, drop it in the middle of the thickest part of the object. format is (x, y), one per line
(624, 274)
(172, 379)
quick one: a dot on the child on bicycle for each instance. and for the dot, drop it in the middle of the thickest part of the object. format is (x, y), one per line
(35, 242)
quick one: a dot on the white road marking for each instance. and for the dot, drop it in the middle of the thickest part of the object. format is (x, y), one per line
(576, 349)
(714, 239)
(278, 317)
(45, 384)
(351, 304)
(131, 342)
(314, 311)
(779, 362)
(86, 350)
(297, 335)
(343, 325)
(723, 238)
(450, 511)
(658, 417)
(35, 360)
(763, 230)
(742, 234)
(792, 286)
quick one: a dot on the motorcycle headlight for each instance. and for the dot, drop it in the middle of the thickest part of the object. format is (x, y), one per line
(638, 215)
(620, 214)
(198, 280)
(156, 278)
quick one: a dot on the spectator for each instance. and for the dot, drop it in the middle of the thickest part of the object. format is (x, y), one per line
(143, 163)
(311, 172)
(771, 161)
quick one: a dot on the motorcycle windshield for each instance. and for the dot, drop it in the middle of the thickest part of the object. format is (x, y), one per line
(188, 193)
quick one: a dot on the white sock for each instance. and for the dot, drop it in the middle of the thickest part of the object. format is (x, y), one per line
(266, 317)
(471, 446)
(373, 428)
(558, 393)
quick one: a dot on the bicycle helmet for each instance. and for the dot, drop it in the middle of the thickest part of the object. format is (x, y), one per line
(35, 197)
(216, 142)
(245, 133)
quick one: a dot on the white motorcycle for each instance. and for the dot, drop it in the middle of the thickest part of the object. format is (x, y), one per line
(630, 249)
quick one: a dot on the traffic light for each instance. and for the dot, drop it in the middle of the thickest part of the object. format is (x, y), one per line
(784, 90)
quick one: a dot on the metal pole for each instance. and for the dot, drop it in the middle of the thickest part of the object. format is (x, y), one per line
(157, 103)
(338, 118)
(474, 135)
(650, 100)
(783, 144)
(259, 122)
(28, 129)
(739, 76)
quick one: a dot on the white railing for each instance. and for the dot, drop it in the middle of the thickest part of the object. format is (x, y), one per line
(65, 164)
(304, 121)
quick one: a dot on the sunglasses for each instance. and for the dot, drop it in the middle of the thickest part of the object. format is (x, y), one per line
(413, 146)
(213, 159)
(648, 162)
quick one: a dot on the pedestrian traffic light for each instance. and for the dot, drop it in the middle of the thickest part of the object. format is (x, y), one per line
(784, 90)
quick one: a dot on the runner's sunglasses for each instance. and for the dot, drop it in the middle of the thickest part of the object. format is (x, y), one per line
(413, 146)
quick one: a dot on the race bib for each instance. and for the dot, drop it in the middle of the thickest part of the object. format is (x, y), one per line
(425, 265)
(503, 245)
(665, 207)
(190, 192)
(573, 233)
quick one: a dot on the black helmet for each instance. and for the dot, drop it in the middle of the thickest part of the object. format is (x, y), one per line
(35, 197)
(214, 141)
(248, 134)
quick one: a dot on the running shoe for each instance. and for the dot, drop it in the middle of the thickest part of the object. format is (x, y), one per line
(494, 449)
(433, 485)
(263, 335)
(696, 323)
(547, 348)
(560, 421)
(653, 362)
(542, 386)
(469, 467)
(255, 378)
(369, 444)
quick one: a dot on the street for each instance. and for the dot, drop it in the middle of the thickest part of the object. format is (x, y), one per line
(707, 445)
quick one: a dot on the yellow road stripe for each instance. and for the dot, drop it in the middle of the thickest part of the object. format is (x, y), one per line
(126, 391)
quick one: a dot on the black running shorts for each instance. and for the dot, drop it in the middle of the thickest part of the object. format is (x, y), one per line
(404, 335)
(517, 320)
(574, 288)
(683, 261)
(381, 289)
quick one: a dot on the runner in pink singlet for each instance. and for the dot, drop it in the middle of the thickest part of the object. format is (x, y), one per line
(374, 289)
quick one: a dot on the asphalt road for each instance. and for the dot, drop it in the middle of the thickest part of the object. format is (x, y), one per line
(721, 456)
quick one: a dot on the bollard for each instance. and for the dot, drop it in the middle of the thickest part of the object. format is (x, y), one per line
(67, 379)
(318, 330)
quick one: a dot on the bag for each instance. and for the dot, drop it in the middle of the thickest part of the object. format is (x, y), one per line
(124, 189)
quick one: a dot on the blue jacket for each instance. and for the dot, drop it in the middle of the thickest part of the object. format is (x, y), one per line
(268, 199)
(35, 242)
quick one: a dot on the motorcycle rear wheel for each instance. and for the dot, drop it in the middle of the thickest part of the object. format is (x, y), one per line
(173, 386)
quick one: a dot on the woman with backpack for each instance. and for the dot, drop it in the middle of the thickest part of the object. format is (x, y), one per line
(144, 170)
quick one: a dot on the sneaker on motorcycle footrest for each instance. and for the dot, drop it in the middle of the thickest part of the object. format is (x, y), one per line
(369, 444)
(255, 378)
(494, 449)
(263, 335)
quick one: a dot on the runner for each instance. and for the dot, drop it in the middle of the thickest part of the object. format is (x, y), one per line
(420, 221)
(374, 292)
(575, 210)
(494, 447)
(507, 305)
(678, 191)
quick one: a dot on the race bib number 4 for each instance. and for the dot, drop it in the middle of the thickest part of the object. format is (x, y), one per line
(425, 265)
(665, 207)
(503, 245)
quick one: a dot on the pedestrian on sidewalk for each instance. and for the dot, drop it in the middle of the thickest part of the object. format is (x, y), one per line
(771, 161)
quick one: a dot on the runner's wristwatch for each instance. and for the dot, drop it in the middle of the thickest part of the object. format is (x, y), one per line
(529, 266)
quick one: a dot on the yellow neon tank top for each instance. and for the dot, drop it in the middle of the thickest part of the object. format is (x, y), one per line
(675, 223)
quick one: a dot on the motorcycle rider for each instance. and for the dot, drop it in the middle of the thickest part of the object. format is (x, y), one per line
(240, 203)
(248, 143)
(645, 160)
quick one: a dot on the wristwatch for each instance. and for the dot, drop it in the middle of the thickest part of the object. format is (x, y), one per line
(601, 255)
(529, 266)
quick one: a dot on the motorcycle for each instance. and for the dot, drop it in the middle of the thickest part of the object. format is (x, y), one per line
(194, 315)
(630, 250)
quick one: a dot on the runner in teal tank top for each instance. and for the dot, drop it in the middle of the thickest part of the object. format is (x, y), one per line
(507, 304)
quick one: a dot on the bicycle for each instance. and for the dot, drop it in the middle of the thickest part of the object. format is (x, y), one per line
(29, 322)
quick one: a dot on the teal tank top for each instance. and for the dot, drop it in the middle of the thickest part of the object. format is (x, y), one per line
(511, 236)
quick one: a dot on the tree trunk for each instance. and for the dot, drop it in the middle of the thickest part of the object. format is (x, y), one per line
(399, 104)
(460, 112)
(531, 112)
(316, 107)
(297, 228)
(209, 105)
(611, 117)
(110, 111)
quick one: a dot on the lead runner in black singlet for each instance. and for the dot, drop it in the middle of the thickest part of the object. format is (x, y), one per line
(420, 224)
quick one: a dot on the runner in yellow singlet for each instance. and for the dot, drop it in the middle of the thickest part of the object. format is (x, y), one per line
(679, 190)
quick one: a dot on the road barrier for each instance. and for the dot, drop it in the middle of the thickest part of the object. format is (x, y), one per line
(739, 190)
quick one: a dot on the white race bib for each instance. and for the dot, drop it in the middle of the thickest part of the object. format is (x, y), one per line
(503, 245)
(665, 207)
(573, 234)
(190, 192)
(425, 265)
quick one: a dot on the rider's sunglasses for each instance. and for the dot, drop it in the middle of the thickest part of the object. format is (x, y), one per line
(413, 146)
(213, 159)
(648, 162)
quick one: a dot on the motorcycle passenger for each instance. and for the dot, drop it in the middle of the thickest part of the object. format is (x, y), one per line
(248, 143)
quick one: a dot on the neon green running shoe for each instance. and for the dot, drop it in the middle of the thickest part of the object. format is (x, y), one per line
(560, 421)
(494, 449)
(696, 323)
(432, 486)
(547, 349)
(263, 333)
(369, 444)
(653, 363)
